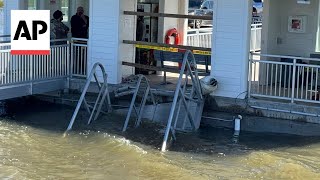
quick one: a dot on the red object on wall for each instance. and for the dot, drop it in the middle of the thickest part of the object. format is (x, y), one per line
(173, 33)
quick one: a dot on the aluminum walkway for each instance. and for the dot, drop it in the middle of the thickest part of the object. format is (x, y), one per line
(183, 114)
(22, 75)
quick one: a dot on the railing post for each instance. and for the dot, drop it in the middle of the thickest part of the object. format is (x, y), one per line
(250, 74)
(71, 58)
(255, 37)
(198, 37)
(293, 80)
(68, 65)
(31, 73)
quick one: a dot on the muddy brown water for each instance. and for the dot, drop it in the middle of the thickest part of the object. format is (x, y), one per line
(32, 146)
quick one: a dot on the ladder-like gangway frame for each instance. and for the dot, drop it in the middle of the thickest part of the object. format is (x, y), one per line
(104, 93)
(139, 113)
(181, 97)
(100, 101)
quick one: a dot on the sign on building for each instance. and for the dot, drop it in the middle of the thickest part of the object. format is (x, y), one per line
(30, 32)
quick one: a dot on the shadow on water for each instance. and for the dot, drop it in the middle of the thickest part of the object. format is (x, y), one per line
(208, 140)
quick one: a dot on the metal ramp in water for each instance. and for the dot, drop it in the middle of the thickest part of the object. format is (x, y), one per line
(183, 114)
(103, 96)
(142, 88)
(186, 105)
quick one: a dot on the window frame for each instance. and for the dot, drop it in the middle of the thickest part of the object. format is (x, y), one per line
(36, 3)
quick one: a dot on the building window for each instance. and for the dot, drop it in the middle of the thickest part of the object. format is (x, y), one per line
(65, 10)
(33, 4)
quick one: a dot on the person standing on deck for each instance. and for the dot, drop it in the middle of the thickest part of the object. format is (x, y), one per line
(140, 29)
(79, 29)
(58, 29)
(80, 24)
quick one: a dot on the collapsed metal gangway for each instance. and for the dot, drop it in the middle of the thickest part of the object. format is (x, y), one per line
(103, 98)
(144, 86)
(185, 98)
(185, 111)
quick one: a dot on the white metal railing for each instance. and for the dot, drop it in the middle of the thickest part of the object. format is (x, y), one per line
(200, 37)
(15, 69)
(256, 20)
(4, 39)
(203, 37)
(67, 58)
(295, 79)
(255, 40)
(79, 58)
(1, 21)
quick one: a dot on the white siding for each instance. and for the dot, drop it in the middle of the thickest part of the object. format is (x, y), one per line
(127, 31)
(230, 47)
(8, 6)
(276, 27)
(104, 37)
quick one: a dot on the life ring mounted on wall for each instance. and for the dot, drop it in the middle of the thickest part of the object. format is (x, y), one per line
(172, 33)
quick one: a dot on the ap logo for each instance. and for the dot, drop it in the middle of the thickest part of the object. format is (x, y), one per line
(30, 32)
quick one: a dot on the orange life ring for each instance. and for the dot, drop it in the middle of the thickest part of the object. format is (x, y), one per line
(172, 32)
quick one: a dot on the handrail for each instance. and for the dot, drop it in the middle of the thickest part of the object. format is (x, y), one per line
(5, 36)
(294, 81)
(5, 43)
(56, 40)
(79, 39)
(205, 30)
(180, 94)
(52, 40)
(282, 56)
(142, 105)
(103, 92)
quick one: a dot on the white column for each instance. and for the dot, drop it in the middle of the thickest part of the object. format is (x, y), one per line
(104, 37)
(230, 46)
(8, 6)
(171, 7)
(183, 23)
(127, 31)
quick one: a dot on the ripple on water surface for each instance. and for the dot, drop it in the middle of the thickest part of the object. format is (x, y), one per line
(32, 147)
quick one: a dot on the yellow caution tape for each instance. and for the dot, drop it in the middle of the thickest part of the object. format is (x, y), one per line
(208, 53)
(171, 49)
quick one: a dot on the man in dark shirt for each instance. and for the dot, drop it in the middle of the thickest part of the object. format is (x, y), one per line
(140, 29)
(80, 24)
(79, 29)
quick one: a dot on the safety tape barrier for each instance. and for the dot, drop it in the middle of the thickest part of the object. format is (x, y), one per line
(171, 49)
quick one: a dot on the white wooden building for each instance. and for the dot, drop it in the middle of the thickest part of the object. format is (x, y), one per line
(230, 40)
(109, 27)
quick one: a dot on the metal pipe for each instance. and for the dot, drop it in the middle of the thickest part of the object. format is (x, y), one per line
(84, 93)
(174, 104)
(237, 123)
(179, 93)
(286, 111)
(218, 119)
